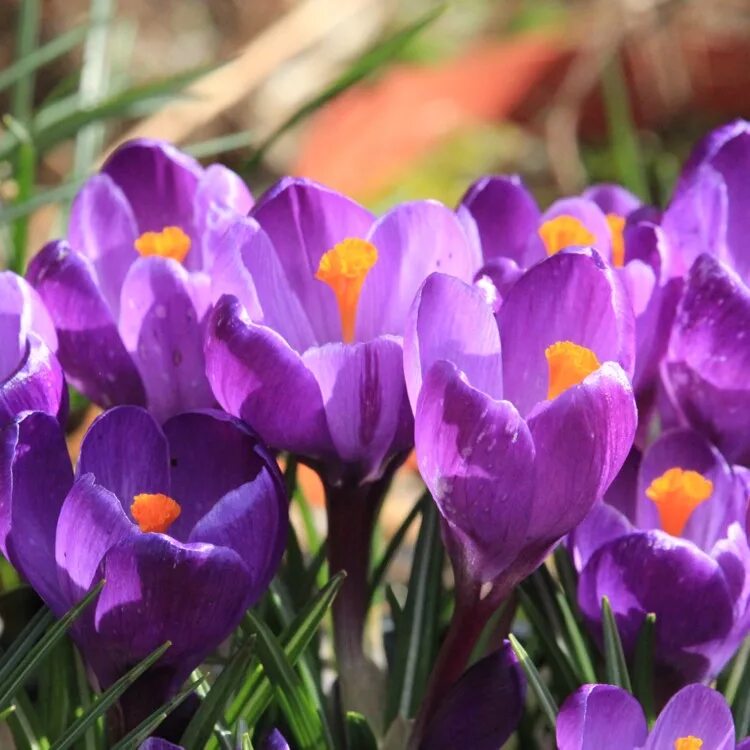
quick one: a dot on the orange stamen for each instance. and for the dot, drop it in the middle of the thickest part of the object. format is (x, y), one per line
(676, 494)
(154, 511)
(564, 231)
(616, 226)
(171, 242)
(688, 743)
(344, 268)
(569, 364)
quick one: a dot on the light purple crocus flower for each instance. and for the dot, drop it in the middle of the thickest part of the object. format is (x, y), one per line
(128, 290)
(709, 351)
(522, 420)
(186, 523)
(605, 716)
(671, 539)
(31, 378)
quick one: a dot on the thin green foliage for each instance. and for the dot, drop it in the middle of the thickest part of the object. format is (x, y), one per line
(615, 667)
(536, 683)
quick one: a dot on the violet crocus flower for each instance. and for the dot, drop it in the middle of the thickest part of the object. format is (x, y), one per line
(31, 378)
(512, 234)
(605, 716)
(186, 523)
(522, 421)
(709, 350)
(671, 539)
(128, 290)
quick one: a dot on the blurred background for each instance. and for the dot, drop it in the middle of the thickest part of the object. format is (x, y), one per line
(384, 99)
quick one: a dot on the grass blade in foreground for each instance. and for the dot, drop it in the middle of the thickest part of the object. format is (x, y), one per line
(615, 667)
(546, 701)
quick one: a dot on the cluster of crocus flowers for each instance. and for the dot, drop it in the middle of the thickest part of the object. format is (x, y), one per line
(186, 523)
(605, 716)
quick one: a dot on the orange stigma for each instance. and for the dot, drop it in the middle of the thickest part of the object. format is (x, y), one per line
(155, 512)
(616, 226)
(564, 231)
(344, 268)
(171, 242)
(676, 494)
(569, 364)
(688, 743)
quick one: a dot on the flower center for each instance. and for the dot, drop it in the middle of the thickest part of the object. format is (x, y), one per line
(569, 364)
(344, 268)
(676, 494)
(688, 743)
(171, 242)
(154, 511)
(564, 231)
(616, 226)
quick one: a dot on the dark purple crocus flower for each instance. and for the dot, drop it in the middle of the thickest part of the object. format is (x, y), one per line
(605, 716)
(709, 350)
(671, 539)
(522, 421)
(186, 523)
(157, 743)
(512, 234)
(128, 290)
(31, 378)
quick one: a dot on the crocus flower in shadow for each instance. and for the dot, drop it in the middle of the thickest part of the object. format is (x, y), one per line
(186, 523)
(128, 290)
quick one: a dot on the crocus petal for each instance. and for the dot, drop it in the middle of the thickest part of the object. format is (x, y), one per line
(653, 572)
(581, 439)
(274, 741)
(305, 220)
(602, 524)
(696, 711)
(257, 377)
(127, 453)
(451, 320)
(709, 356)
(158, 181)
(90, 349)
(366, 405)
(599, 716)
(504, 215)
(413, 240)
(612, 198)
(572, 296)
(477, 458)
(156, 743)
(144, 602)
(483, 708)
(102, 227)
(162, 327)
(35, 476)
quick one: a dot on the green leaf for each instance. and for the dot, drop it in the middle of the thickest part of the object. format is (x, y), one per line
(643, 668)
(54, 699)
(24, 725)
(256, 693)
(107, 699)
(366, 65)
(615, 667)
(359, 736)
(395, 543)
(25, 641)
(738, 668)
(417, 632)
(201, 725)
(27, 34)
(35, 656)
(295, 702)
(144, 730)
(546, 701)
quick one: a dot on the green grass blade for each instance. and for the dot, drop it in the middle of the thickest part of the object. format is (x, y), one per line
(22, 99)
(34, 658)
(201, 725)
(24, 725)
(25, 641)
(144, 730)
(615, 667)
(358, 733)
(9, 214)
(643, 668)
(107, 699)
(542, 693)
(295, 702)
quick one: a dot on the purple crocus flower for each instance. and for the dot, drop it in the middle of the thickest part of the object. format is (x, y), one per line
(512, 234)
(185, 522)
(599, 716)
(31, 378)
(128, 290)
(671, 539)
(709, 351)
(522, 420)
